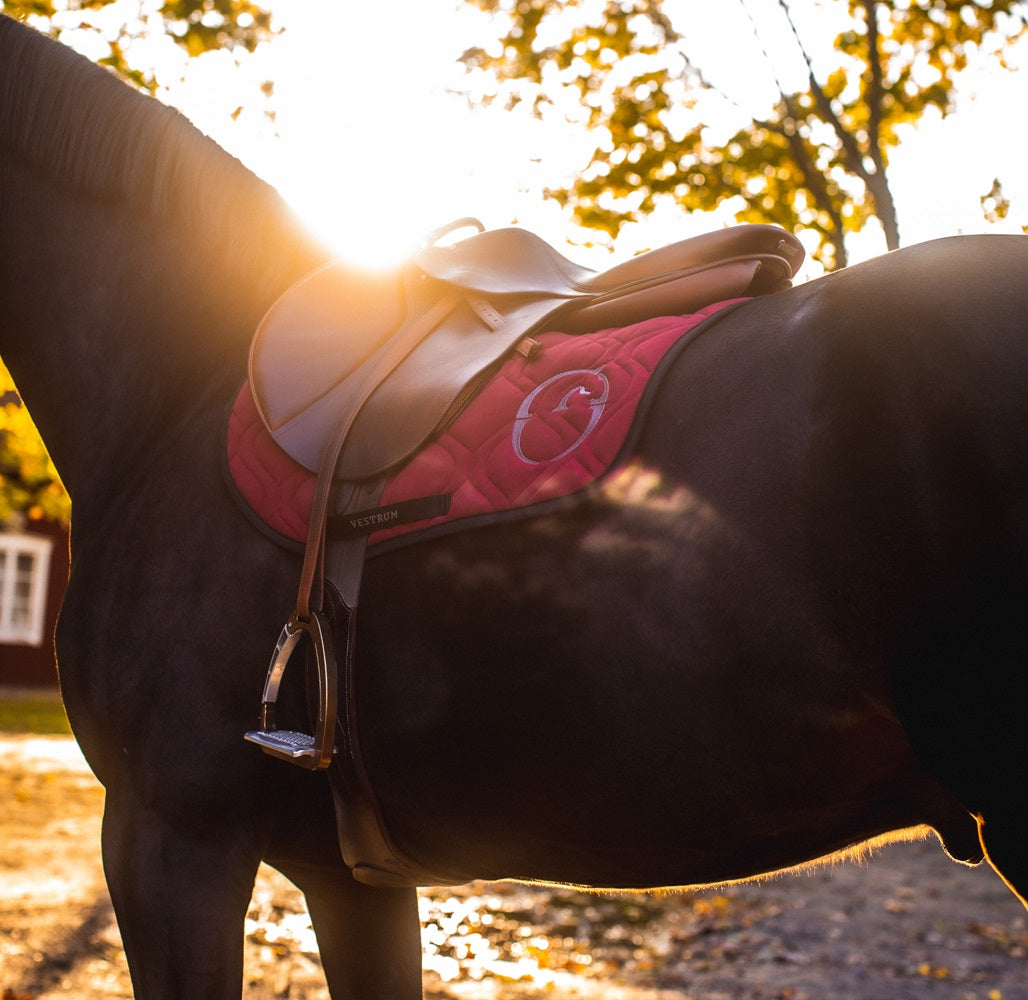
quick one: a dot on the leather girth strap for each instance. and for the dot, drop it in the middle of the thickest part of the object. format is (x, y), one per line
(364, 842)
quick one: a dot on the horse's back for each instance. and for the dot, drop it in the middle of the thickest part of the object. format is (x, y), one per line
(715, 641)
(907, 423)
(958, 392)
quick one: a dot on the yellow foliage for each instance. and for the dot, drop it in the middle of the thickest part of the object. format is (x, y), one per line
(645, 86)
(29, 483)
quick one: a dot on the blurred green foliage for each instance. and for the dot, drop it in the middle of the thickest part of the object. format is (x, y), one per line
(36, 715)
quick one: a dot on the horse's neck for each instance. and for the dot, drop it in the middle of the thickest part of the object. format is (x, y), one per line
(113, 326)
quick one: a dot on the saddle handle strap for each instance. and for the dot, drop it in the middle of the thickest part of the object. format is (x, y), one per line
(466, 222)
(376, 369)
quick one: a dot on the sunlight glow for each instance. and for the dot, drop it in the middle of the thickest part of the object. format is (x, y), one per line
(366, 141)
(361, 134)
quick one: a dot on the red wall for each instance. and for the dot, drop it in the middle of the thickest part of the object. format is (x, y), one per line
(35, 666)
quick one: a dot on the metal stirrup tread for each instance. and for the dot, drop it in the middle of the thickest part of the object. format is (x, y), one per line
(313, 752)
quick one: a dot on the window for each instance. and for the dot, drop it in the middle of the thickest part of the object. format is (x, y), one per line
(24, 574)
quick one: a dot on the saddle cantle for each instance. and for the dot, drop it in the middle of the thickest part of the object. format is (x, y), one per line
(395, 352)
(352, 372)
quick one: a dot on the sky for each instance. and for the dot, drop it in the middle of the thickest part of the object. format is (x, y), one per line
(373, 151)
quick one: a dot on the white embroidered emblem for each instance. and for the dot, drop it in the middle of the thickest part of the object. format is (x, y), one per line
(598, 393)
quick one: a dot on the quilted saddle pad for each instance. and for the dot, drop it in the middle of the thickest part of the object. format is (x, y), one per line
(543, 429)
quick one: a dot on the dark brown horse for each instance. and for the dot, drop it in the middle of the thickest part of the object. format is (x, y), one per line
(794, 622)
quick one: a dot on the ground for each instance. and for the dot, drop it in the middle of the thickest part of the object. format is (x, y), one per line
(905, 925)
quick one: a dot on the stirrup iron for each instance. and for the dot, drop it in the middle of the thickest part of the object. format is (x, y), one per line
(313, 752)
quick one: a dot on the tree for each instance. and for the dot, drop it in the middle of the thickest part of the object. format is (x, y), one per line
(815, 156)
(29, 484)
(197, 26)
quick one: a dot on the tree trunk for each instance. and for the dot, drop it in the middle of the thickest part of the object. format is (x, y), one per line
(885, 209)
(877, 182)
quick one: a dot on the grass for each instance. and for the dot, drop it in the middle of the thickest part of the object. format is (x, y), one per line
(32, 713)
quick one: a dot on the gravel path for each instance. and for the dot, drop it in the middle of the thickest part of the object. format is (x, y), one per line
(907, 925)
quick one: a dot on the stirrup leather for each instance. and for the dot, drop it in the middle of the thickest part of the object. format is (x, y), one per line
(313, 752)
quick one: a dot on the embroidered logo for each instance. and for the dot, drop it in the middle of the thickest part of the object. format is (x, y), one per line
(566, 404)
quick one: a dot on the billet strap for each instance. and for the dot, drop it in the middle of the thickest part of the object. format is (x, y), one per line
(344, 553)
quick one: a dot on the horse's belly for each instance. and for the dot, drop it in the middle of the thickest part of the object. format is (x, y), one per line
(606, 767)
(643, 691)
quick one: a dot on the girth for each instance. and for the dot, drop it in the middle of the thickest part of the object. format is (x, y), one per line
(351, 380)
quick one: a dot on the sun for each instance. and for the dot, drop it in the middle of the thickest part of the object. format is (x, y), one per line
(364, 134)
(362, 131)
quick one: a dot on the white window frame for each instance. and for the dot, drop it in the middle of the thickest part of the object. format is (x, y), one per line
(23, 616)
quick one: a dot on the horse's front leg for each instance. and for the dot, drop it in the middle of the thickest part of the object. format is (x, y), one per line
(180, 894)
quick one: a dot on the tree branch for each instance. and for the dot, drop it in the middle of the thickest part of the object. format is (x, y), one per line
(764, 51)
(876, 90)
(854, 154)
(813, 178)
(651, 8)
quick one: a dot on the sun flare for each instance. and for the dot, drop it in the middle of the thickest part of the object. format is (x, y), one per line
(351, 113)
(361, 131)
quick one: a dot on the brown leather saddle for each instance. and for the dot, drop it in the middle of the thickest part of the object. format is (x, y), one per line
(353, 371)
(391, 353)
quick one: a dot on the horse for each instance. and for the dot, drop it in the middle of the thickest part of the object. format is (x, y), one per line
(791, 623)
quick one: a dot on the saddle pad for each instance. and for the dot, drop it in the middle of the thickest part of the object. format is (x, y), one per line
(544, 427)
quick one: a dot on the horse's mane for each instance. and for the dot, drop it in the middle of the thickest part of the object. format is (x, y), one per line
(87, 129)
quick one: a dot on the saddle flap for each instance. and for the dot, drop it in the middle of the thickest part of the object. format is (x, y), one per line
(320, 331)
(404, 411)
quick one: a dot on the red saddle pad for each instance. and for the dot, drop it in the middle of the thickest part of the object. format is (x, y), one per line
(544, 428)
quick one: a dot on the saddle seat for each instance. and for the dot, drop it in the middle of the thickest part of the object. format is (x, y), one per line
(393, 354)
